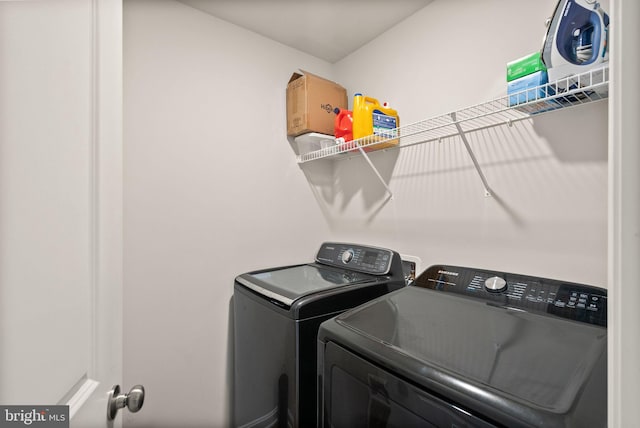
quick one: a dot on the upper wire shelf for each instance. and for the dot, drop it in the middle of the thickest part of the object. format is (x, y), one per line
(567, 92)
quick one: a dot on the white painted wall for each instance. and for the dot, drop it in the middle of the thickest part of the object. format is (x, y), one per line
(211, 191)
(548, 216)
(212, 188)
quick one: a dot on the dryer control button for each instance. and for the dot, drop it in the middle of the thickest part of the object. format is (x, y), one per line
(495, 284)
(347, 256)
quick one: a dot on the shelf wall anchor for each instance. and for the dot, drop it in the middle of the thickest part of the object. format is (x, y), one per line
(487, 189)
(375, 170)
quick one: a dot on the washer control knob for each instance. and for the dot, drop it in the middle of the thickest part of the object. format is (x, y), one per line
(495, 284)
(347, 256)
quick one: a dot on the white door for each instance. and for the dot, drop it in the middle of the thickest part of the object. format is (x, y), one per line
(60, 207)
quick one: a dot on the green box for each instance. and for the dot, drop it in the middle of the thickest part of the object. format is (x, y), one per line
(524, 66)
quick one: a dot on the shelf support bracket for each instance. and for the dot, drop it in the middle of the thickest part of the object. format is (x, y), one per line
(487, 189)
(375, 170)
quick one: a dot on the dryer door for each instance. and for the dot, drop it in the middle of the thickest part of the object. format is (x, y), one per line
(378, 398)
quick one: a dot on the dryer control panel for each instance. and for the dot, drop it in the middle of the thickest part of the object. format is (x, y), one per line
(578, 302)
(360, 258)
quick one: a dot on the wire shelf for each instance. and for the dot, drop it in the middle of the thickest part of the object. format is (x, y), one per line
(567, 92)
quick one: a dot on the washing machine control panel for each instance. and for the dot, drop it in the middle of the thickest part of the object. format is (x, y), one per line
(559, 298)
(347, 255)
(373, 260)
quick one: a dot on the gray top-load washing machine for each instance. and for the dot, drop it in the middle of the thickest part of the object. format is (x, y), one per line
(468, 347)
(277, 312)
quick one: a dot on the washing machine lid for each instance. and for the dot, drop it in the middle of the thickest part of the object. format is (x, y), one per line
(493, 353)
(288, 284)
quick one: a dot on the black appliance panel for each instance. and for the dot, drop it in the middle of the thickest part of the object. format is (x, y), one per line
(376, 261)
(516, 362)
(365, 395)
(488, 345)
(264, 384)
(541, 295)
(337, 265)
(287, 284)
(277, 313)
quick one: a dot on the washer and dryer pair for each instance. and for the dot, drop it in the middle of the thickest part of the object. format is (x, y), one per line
(343, 342)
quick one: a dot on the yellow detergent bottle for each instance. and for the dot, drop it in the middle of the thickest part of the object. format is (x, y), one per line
(374, 120)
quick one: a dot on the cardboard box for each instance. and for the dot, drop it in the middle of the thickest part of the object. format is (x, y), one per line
(310, 103)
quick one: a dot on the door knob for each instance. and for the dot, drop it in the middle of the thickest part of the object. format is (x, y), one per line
(132, 401)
